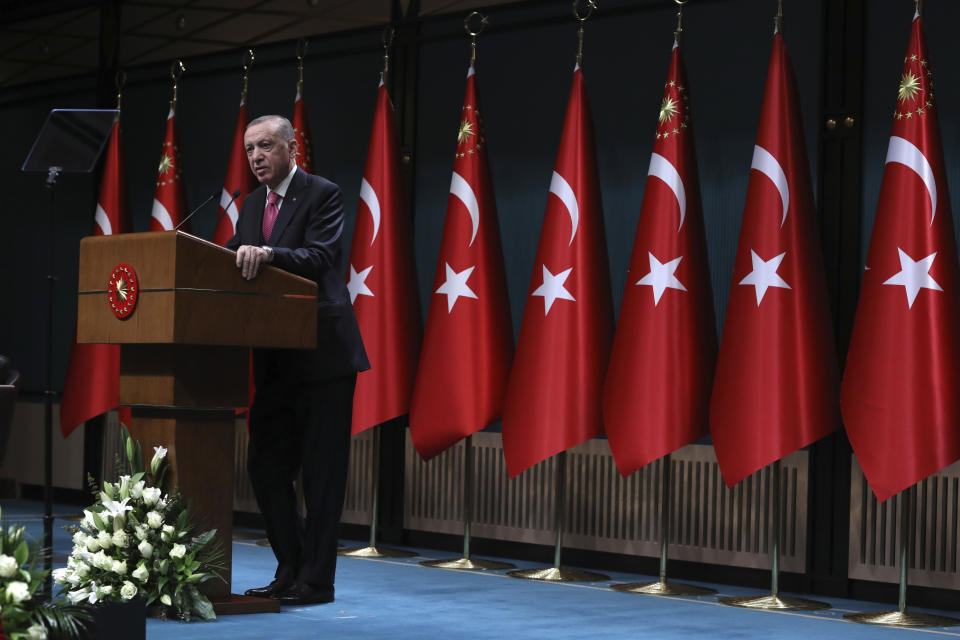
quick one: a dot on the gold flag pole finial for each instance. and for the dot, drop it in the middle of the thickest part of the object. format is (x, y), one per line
(474, 32)
(176, 70)
(778, 19)
(679, 31)
(248, 59)
(302, 45)
(387, 40)
(591, 6)
(119, 80)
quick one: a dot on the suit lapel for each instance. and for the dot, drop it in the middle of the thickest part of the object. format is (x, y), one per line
(291, 200)
(257, 199)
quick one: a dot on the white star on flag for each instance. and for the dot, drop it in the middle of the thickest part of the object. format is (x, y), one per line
(456, 286)
(552, 288)
(914, 275)
(765, 275)
(661, 277)
(357, 285)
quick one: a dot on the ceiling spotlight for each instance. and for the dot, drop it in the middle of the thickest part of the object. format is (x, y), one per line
(181, 21)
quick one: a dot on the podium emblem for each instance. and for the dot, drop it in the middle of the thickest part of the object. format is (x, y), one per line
(122, 290)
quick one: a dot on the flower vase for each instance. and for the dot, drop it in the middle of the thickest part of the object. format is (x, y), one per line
(119, 621)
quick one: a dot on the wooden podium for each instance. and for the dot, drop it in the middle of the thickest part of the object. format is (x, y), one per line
(184, 360)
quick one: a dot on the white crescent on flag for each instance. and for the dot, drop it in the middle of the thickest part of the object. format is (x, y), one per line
(162, 215)
(768, 165)
(561, 188)
(227, 200)
(663, 169)
(103, 221)
(369, 197)
(904, 152)
(462, 190)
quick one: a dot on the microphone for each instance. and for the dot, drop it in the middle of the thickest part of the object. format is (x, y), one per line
(190, 215)
(234, 196)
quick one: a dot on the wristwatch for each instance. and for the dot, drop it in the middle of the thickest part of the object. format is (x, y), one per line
(269, 251)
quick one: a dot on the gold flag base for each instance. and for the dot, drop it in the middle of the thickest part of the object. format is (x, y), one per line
(467, 564)
(663, 588)
(774, 602)
(901, 619)
(557, 574)
(375, 552)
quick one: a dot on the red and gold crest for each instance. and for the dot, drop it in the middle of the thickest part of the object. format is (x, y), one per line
(122, 290)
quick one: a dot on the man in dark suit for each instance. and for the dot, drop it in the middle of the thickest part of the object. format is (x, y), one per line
(301, 412)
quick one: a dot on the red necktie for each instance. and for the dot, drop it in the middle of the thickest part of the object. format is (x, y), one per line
(270, 214)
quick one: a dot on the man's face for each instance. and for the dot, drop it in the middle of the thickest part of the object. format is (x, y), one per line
(269, 155)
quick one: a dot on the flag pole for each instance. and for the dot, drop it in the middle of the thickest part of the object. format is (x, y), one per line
(901, 617)
(372, 550)
(774, 600)
(465, 562)
(663, 587)
(558, 573)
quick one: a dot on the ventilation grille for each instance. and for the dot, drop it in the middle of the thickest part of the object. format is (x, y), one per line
(875, 531)
(606, 512)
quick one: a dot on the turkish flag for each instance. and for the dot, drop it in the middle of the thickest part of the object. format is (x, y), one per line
(92, 385)
(555, 384)
(301, 129)
(468, 341)
(776, 387)
(382, 280)
(657, 392)
(901, 387)
(169, 200)
(239, 178)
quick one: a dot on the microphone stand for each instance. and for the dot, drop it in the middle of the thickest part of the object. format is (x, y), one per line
(48, 395)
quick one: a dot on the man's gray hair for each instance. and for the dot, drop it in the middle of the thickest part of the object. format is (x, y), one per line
(283, 127)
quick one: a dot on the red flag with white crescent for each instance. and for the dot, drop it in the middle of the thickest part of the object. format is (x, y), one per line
(169, 199)
(301, 129)
(382, 280)
(555, 385)
(901, 387)
(238, 178)
(92, 385)
(468, 342)
(776, 387)
(657, 390)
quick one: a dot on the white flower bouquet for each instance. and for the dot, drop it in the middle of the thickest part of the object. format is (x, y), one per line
(22, 615)
(137, 541)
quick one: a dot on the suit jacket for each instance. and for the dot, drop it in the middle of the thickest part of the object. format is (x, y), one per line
(306, 241)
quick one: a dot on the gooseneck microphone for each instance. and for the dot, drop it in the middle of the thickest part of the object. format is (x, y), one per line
(190, 215)
(234, 196)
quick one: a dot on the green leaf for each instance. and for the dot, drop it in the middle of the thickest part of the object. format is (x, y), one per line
(97, 520)
(203, 608)
(203, 539)
(128, 445)
(21, 553)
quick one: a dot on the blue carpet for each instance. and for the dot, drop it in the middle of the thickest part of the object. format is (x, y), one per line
(397, 598)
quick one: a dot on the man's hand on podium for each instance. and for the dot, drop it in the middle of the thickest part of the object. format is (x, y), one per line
(251, 260)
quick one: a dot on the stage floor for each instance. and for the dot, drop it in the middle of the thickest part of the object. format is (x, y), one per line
(397, 598)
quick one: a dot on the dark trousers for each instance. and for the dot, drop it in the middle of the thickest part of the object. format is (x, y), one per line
(293, 427)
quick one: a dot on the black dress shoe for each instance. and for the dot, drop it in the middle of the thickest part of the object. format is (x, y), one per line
(303, 593)
(271, 590)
